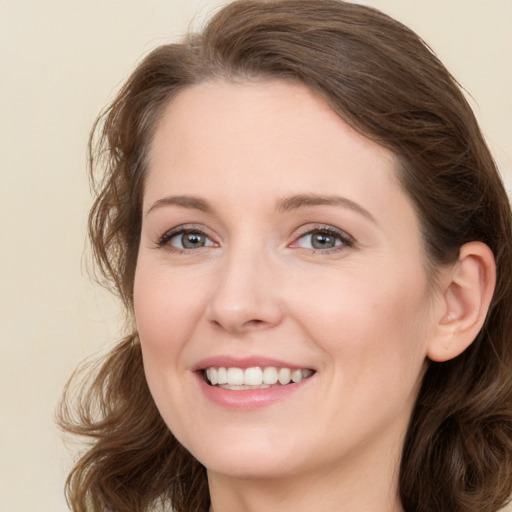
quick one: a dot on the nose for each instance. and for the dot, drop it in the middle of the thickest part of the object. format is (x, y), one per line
(245, 297)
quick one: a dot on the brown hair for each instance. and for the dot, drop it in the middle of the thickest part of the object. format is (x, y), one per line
(384, 81)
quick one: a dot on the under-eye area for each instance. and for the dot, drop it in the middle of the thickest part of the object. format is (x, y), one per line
(255, 377)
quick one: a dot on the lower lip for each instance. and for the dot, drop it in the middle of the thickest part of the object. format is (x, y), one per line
(249, 399)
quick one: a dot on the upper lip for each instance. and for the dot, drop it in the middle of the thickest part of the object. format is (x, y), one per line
(224, 361)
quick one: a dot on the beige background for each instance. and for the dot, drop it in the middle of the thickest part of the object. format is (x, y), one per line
(60, 62)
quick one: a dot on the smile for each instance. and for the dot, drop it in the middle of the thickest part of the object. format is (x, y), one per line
(234, 378)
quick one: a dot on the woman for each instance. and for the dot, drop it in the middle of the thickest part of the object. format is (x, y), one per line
(312, 240)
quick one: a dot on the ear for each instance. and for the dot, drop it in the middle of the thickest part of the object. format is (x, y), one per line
(467, 290)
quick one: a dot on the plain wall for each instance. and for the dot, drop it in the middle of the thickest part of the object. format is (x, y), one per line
(60, 62)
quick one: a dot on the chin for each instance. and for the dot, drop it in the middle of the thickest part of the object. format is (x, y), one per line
(246, 456)
(252, 467)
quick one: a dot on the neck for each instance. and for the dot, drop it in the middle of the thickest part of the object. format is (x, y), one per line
(323, 491)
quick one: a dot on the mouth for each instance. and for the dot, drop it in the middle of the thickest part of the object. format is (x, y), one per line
(256, 377)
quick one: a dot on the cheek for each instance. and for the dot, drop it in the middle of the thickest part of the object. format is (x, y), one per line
(167, 309)
(166, 313)
(375, 322)
(374, 333)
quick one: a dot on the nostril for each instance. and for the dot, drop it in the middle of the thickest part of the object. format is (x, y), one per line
(254, 324)
(242, 327)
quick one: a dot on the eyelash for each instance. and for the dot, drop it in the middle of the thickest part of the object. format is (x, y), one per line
(345, 239)
(181, 230)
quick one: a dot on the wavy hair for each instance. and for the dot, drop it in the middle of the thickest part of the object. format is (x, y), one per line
(383, 80)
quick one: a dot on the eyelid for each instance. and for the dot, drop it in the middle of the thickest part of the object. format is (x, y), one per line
(346, 239)
(183, 228)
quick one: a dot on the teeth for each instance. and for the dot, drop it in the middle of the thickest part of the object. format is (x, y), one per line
(255, 377)
(306, 373)
(213, 376)
(296, 375)
(222, 376)
(285, 376)
(235, 376)
(270, 375)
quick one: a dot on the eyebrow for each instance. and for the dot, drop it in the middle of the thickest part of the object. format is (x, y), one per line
(305, 200)
(283, 205)
(193, 203)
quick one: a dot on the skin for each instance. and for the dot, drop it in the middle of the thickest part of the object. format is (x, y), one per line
(362, 314)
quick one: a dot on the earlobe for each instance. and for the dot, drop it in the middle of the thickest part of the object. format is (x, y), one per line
(467, 291)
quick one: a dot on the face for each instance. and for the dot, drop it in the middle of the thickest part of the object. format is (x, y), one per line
(277, 246)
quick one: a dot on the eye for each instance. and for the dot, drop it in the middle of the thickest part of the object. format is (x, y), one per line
(323, 239)
(186, 239)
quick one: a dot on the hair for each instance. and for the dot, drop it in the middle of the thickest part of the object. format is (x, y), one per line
(383, 80)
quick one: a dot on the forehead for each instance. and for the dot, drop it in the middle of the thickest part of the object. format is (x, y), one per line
(262, 130)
